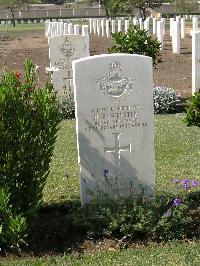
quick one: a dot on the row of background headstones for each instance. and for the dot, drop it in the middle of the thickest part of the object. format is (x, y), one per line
(177, 31)
(105, 27)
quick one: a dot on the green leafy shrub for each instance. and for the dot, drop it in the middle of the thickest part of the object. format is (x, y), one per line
(13, 227)
(29, 118)
(67, 106)
(166, 217)
(193, 111)
(136, 41)
(165, 100)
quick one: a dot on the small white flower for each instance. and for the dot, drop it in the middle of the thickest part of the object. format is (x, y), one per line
(37, 67)
(51, 69)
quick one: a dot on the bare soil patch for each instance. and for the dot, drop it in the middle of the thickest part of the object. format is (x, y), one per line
(174, 71)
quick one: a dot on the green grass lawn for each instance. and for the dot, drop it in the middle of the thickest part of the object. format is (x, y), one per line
(177, 156)
(22, 27)
(172, 254)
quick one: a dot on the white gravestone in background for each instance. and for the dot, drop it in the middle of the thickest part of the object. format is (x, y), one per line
(163, 20)
(62, 51)
(107, 28)
(176, 37)
(98, 27)
(119, 25)
(160, 33)
(115, 126)
(102, 28)
(154, 25)
(171, 26)
(195, 62)
(182, 28)
(126, 25)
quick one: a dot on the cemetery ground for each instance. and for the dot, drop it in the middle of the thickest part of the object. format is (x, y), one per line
(177, 156)
(174, 71)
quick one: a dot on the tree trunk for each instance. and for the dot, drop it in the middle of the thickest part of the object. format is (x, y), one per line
(13, 17)
(143, 11)
(107, 12)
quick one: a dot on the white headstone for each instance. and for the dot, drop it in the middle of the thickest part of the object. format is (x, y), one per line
(70, 28)
(141, 23)
(85, 30)
(76, 29)
(107, 28)
(115, 126)
(176, 37)
(195, 24)
(113, 26)
(135, 22)
(47, 27)
(119, 25)
(102, 28)
(163, 20)
(146, 25)
(98, 27)
(63, 50)
(195, 62)
(160, 33)
(65, 28)
(91, 25)
(171, 26)
(182, 28)
(94, 26)
(126, 25)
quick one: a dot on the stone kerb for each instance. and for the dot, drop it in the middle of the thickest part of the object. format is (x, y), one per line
(115, 126)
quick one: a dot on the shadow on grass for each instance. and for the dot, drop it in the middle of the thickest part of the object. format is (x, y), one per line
(53, 230)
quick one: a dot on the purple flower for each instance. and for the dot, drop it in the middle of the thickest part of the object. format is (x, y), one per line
(186, 183)
(186, 186)
(194, 183)
(105, 173)
(169, 213)
(177, 202)
(176, 181)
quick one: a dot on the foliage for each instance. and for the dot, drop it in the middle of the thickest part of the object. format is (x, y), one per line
(67, 106)
(112, 7)
(29, 119)
(186, 6)
(12, 226)
(166, 217)
(136, 41)
(56, 2)
(193, 111)
(115, 7)
(13, 5)
(143, 5)
(165, 100)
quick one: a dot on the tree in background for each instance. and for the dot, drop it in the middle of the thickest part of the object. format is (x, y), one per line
(116, 6)
(112, 7)
(143, 5)
(14, 5)
(186, 6)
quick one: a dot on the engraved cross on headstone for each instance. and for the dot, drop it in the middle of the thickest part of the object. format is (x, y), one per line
(117, 151)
